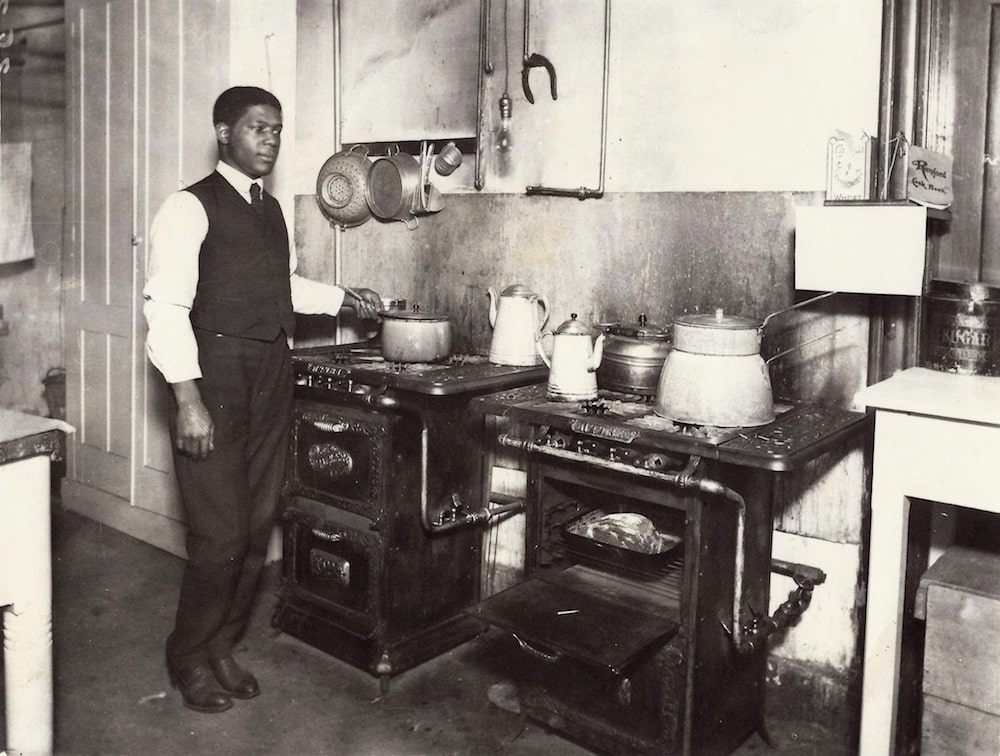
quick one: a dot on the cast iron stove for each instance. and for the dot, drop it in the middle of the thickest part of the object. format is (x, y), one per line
(381, 550)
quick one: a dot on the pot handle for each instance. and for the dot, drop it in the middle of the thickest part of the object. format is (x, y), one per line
(803, 303)
(411, 222)
(544, 304)
(541, 350)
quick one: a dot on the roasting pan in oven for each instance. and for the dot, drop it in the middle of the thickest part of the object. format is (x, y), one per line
(620, 545)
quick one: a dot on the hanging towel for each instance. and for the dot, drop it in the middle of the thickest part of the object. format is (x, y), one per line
(16, 239)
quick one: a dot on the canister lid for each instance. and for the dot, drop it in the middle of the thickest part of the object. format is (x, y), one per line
(977, 291)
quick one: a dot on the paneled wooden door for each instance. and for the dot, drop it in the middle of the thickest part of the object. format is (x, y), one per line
(143, 75)
(100, 299)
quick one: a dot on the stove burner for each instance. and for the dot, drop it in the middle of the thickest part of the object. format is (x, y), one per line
(595, 407)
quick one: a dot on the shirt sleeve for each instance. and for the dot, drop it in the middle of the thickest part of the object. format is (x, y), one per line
(176, 236)
(313, 297)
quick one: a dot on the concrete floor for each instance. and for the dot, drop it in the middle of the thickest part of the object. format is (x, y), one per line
(114, 602)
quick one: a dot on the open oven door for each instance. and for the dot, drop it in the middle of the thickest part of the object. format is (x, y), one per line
(584, 614)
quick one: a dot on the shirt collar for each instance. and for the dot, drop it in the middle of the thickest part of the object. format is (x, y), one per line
(239, 180)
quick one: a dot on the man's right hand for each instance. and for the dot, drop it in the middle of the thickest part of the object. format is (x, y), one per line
(195, 428)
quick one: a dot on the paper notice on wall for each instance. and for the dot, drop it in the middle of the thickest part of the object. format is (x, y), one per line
(928, 177)
(16, 239)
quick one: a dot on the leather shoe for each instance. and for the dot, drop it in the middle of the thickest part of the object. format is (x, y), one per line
(235, 680)
(200, 690)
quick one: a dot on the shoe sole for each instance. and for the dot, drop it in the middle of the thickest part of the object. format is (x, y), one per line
(209, 709)
(241, 696)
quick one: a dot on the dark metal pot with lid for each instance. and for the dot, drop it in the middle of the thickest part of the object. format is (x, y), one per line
(633, 356)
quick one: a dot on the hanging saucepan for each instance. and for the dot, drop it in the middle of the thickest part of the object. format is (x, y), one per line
(340, 187)
(393, 188)
(633, 356)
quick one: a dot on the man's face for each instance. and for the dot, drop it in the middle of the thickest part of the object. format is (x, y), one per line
(251, 144)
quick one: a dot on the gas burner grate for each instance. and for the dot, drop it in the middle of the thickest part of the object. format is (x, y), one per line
(595, 408)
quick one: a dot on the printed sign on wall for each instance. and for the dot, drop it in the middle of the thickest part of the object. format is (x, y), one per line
(928, 177)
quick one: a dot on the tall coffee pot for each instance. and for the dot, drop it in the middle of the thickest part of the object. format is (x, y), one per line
(517, 316)
(575, 357)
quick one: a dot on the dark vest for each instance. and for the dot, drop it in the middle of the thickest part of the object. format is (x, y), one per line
(243, 288)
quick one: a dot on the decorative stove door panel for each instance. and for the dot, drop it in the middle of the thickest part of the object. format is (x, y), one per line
(339, 455)
(334, 567)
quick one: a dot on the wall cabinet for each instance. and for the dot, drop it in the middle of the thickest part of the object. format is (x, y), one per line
(408, 69)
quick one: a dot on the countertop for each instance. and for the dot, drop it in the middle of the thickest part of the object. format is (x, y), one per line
(23, 435)
(921, 391)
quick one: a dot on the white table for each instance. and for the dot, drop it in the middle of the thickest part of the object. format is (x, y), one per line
(937, 437)
(27, 444)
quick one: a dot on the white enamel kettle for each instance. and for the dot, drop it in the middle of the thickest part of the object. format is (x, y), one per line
(576, 355)
(517, 316)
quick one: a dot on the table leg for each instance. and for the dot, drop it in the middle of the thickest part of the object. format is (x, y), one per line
(883, 627)
(25, 521)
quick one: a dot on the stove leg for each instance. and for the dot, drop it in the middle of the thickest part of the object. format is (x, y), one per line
(765, 735)
(384, 671)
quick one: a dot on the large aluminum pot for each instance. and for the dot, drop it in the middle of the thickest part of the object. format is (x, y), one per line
(961, 328)
(714, 375)
(633, 356)
(341, 186)
(415, 336)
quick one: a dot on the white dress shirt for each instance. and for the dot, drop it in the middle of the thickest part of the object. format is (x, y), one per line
(176, 236)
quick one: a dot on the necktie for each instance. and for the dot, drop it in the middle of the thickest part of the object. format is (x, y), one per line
(256, 201)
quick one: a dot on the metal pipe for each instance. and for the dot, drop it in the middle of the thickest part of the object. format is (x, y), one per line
(382, 400)
(682, 480)
(583, 192)
(484, 63)
(338, 231)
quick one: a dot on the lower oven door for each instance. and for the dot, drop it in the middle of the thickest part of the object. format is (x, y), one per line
(333, 566)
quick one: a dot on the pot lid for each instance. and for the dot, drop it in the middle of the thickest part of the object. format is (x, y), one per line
(640, 330)
(518, 290)
(718, 319)
(573, 327)
(977, 291)
(415, 314)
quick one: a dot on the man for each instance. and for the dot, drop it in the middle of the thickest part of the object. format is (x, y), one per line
(220, 294)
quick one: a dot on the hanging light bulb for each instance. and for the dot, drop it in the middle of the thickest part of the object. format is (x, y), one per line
(505, 135)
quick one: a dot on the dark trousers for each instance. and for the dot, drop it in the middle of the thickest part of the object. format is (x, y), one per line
(230, 498)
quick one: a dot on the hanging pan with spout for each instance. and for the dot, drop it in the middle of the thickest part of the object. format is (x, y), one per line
(715, 375)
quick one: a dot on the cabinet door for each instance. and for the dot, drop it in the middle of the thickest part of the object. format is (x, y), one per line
(408, 69)
(99, 297)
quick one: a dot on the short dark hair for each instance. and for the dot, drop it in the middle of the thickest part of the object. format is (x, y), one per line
(235, 101)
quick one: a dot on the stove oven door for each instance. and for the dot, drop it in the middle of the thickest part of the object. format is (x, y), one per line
(332, 565)
(341, 455)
